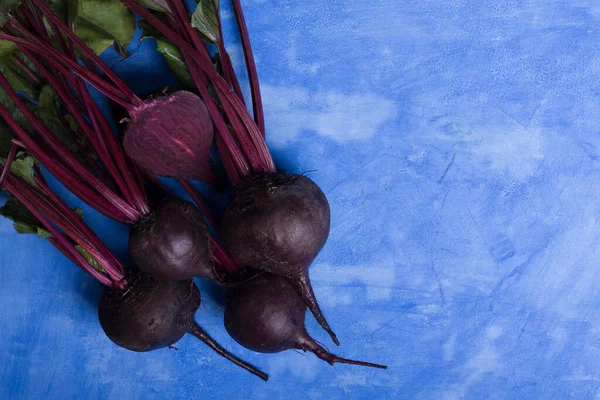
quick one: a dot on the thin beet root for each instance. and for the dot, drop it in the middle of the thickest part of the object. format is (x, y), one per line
(280, 223)
(266, 315)
(202, 335)
(151, 314)
(171, 136)
(173, 242)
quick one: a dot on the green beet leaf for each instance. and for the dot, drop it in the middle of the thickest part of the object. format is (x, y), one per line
(205, 19)
(102, 22)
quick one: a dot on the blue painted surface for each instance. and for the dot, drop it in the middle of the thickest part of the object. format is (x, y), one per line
(459, 145)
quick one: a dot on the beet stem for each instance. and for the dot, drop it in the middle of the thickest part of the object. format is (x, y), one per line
(12, 186)
(220, 125)
(228, 163)
(257, 105)
(228, 71)
(70, 104)
(223, 258)
(128, 170)
(88, 52)
(59, 60)
(34, 18)
(65, 154)
(70, 223)
(304, 288)
(9, 159)
(197, 331)
(201, 203)
(85, 231)
(308, 343)
(31, 75)
(184, 29)
(60, 170)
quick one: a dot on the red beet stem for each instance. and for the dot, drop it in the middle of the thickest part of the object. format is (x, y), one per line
(257, 104)
(228, 71)
(228, 162)
(68, 101)
(229, 264)
(9, 159)
(185, 30)
(234, 80)
(61, 62)
(201, 203)
(88, 52)
(197, 331)
(29, 73)
(62, 173)
(220, 125)
(71, 224)
(108, 139)
(34, 18)
(63, 152)
(13, 186)
(85, 231)
(223, 258)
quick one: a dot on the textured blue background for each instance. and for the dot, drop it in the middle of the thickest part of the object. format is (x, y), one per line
(458, 143)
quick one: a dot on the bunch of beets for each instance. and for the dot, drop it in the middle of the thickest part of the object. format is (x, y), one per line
(260, 250)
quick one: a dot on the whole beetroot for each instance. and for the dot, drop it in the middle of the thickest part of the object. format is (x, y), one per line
(150, 314)
(266, 315)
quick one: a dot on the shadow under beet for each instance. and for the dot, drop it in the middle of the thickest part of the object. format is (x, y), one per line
(89, 290)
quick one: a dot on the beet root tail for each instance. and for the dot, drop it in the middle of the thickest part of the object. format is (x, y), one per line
(308, 343)
(304, 289)
(201, 334)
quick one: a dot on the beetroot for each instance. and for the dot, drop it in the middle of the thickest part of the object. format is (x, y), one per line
(171, 136)
(279, 223)
(266, 315)
(151, 314)
(172, 242)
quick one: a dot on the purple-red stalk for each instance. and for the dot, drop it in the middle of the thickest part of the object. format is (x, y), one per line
(29, 73)
(257, 104)
(63, 173)
(9, 160)
(201, 203)
(49, 14)
(72, 225)
(69, 102)
(64, 153)
(31, 201)
(85, 231)
(234, 161)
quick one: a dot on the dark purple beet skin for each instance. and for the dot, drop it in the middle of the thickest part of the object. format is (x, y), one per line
(172, 242)
(171, 136)
(279, 223)
(150, 314)
(267, 316)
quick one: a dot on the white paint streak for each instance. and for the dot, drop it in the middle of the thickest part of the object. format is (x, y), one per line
(379, 280)
(341, 117)
(484, 362)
